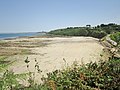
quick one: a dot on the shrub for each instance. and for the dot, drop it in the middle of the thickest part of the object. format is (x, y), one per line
(116, 37)
(104, 75)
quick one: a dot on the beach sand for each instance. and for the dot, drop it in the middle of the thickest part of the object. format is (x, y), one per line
(58, 53)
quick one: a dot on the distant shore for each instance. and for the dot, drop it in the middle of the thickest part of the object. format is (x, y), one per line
(19, 35)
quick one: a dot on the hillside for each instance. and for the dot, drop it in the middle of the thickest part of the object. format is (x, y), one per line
(98, 31)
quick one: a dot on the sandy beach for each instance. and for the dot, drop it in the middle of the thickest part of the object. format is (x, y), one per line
(56, 53)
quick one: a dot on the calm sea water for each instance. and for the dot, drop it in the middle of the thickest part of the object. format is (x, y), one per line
(15, 35)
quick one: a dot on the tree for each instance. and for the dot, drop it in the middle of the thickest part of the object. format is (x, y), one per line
(88, 26)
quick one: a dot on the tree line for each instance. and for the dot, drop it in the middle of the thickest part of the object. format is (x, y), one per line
(98, 31)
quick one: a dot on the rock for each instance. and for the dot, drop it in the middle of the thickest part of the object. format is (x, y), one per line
(111, 41)
(106, 44)
(117, 55)
(113, 50)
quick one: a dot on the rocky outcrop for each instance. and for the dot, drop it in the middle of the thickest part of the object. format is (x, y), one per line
(108, 39)
(111, 47)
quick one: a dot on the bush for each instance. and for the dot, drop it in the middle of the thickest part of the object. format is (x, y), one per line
(103, 75)
(116, 37)
(80, 32)
(98, 34)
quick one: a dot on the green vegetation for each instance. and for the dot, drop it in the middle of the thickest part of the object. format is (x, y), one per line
(3, 62)
(98, 31)
(103, 75)
(9, 80)
(116, 37)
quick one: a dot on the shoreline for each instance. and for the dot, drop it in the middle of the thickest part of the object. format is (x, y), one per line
(9, 36)
(51, 52)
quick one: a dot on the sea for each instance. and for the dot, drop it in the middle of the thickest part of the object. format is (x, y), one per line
(16, 35)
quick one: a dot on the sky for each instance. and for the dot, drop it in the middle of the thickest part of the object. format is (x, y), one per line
(46, 15)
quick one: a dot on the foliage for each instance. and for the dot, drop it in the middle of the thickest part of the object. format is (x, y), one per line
(103, 75)
(116, 37)
(4, 63)
(98, 34)
(9, 80)
(98, 31)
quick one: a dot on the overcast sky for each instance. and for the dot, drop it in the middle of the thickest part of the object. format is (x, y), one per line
(45, 15)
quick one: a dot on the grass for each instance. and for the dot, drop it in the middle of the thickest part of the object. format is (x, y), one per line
(3, 62)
